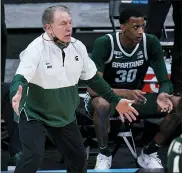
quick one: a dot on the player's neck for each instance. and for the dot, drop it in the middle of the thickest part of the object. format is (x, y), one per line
(125, 42)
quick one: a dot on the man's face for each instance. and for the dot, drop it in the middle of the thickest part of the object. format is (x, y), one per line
(134, 29)
(61, 26)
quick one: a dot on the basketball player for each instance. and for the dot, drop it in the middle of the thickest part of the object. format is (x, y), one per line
(122, 59)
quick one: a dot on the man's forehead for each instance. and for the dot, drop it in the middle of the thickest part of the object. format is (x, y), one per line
(62, 16)
(136, 20)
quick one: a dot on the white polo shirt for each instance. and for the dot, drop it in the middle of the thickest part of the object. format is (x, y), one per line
(52, 95)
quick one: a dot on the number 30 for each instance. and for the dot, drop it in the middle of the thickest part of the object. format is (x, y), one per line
(126, 76)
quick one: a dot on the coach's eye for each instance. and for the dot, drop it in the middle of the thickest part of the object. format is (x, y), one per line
(62, 24)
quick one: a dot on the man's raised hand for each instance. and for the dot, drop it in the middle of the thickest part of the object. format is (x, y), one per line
(16, 100)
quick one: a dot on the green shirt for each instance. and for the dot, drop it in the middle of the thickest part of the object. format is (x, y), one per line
(126, 69)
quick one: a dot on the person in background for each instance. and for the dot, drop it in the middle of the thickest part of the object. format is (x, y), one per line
(154, 25)
(6, 108)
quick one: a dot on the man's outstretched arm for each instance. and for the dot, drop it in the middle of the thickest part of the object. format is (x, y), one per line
(29, 60)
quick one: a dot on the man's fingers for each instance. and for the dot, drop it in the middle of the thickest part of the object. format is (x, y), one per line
(128, 117)
(19, 92)
(132, 109)
(141, 92)
(131, 115)
(170, 108)
(125, 106)
(130, 102)
(16, 110)
(171, 104)
(165, 108)
(15, 107)
(122, 117)
(140, 96)
(138, 99)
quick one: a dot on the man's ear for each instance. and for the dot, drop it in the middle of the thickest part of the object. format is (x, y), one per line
(122, 27)
(48, 28)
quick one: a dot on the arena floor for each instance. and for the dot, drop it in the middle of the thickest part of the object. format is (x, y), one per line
(122, 162)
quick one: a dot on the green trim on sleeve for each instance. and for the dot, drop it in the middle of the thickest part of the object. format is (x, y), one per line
(102, 88)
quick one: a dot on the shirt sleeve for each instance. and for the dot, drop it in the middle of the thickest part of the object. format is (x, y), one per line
(101, 52)
(156, 59)
(89, 68)
(29, 60)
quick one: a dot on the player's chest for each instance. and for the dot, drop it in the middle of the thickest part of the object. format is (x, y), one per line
(121, 60)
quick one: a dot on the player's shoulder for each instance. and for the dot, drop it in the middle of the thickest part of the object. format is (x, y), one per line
(104, 39)
(151, 38)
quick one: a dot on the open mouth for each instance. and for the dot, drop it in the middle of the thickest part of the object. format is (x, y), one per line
(68, 35)
(139, 38)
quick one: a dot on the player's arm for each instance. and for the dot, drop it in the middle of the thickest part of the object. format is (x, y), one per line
(29, 60)
(119, 92)
(136, 95)
(156, 59)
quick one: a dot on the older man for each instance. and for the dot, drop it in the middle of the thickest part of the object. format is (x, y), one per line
(44, 93)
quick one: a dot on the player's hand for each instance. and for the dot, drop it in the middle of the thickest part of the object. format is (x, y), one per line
(164, 102)
(136, 95)
(125, 109)
(16, 100)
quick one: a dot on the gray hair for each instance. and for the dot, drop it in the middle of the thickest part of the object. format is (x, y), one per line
(47, 16)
